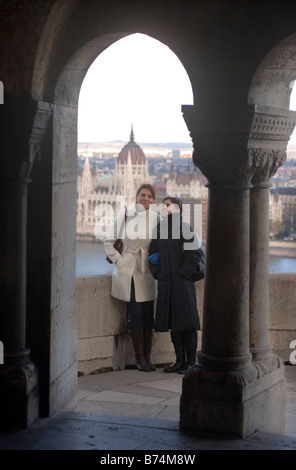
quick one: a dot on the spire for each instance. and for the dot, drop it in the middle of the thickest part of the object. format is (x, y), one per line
(132, 137)
(86, 183)
(172, 173)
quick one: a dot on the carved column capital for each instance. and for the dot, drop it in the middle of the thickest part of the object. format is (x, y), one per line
(220, 136)
(270, 133)
(239, 144)
(265, 163)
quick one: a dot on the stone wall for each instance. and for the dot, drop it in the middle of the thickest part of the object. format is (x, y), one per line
(282, 324)
(102, 326)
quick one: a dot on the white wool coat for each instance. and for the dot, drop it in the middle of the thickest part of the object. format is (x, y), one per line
(133, 262)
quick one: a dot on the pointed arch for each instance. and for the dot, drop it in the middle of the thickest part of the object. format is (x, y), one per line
(273, 80)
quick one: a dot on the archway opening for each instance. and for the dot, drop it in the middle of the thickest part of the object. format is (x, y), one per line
(136, 82)
(63, 338)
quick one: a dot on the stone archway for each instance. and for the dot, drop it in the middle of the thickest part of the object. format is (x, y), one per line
(214, 43)
(250, 361)
(61, 382)
(62, 367)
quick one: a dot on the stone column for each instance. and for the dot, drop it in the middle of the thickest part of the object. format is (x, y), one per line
(222, 134)
(13, 208)
(19, 400)
(225, 334)
(224, 392)
(259, 276)
(269, 137)
(19, 396)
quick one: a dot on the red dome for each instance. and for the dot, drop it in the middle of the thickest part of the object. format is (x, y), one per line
(133, 150)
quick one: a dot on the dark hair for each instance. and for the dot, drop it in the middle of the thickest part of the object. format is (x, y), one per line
(175, 200)
(146, 186)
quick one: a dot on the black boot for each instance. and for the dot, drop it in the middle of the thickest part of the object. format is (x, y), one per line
(190, 338)
(179, 347)
(148, 334)
(137, 336)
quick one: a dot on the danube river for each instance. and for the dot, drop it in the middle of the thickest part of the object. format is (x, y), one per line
(91, 260)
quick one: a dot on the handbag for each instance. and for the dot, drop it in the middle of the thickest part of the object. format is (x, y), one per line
(199, 273)
(118, 245)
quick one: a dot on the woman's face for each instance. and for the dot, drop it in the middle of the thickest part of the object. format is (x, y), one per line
(145, 198)
(169, 207)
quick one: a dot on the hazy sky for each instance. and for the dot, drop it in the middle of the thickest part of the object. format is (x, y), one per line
(140, 81)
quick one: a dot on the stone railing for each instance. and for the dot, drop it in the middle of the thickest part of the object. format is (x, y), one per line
(102, 326)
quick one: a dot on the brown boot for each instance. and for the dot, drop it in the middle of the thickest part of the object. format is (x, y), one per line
(138, 344)
(148, 334)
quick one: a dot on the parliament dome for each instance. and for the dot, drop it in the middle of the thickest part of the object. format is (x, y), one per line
(132, 151)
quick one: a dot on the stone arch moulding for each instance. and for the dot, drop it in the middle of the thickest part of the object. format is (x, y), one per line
(271, 83)
(55, 23)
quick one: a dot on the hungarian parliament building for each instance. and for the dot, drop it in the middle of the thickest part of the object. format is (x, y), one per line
(98, 201)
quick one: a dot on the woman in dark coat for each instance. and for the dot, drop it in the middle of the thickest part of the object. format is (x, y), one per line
(177, 260)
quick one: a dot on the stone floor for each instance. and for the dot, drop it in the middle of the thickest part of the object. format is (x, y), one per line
(133, 410)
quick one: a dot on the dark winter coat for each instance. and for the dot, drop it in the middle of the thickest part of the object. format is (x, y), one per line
(176, 273)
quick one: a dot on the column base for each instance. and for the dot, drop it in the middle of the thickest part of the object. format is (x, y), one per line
(19, 391)
(267, 364)
(224, 403)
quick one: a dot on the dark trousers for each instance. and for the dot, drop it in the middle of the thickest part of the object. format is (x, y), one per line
(141, 314)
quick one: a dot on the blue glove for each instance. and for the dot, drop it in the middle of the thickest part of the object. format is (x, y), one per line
(154, 258)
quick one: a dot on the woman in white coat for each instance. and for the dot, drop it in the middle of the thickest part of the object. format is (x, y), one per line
(132, 281)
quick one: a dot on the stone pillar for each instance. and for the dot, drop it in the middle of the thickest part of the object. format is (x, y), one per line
(225, 337)
(19, 395)
(259, 276)
(19, 401)
(224, 392)
(269, 137)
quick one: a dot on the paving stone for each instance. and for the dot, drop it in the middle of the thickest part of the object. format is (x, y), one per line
(130, 410)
